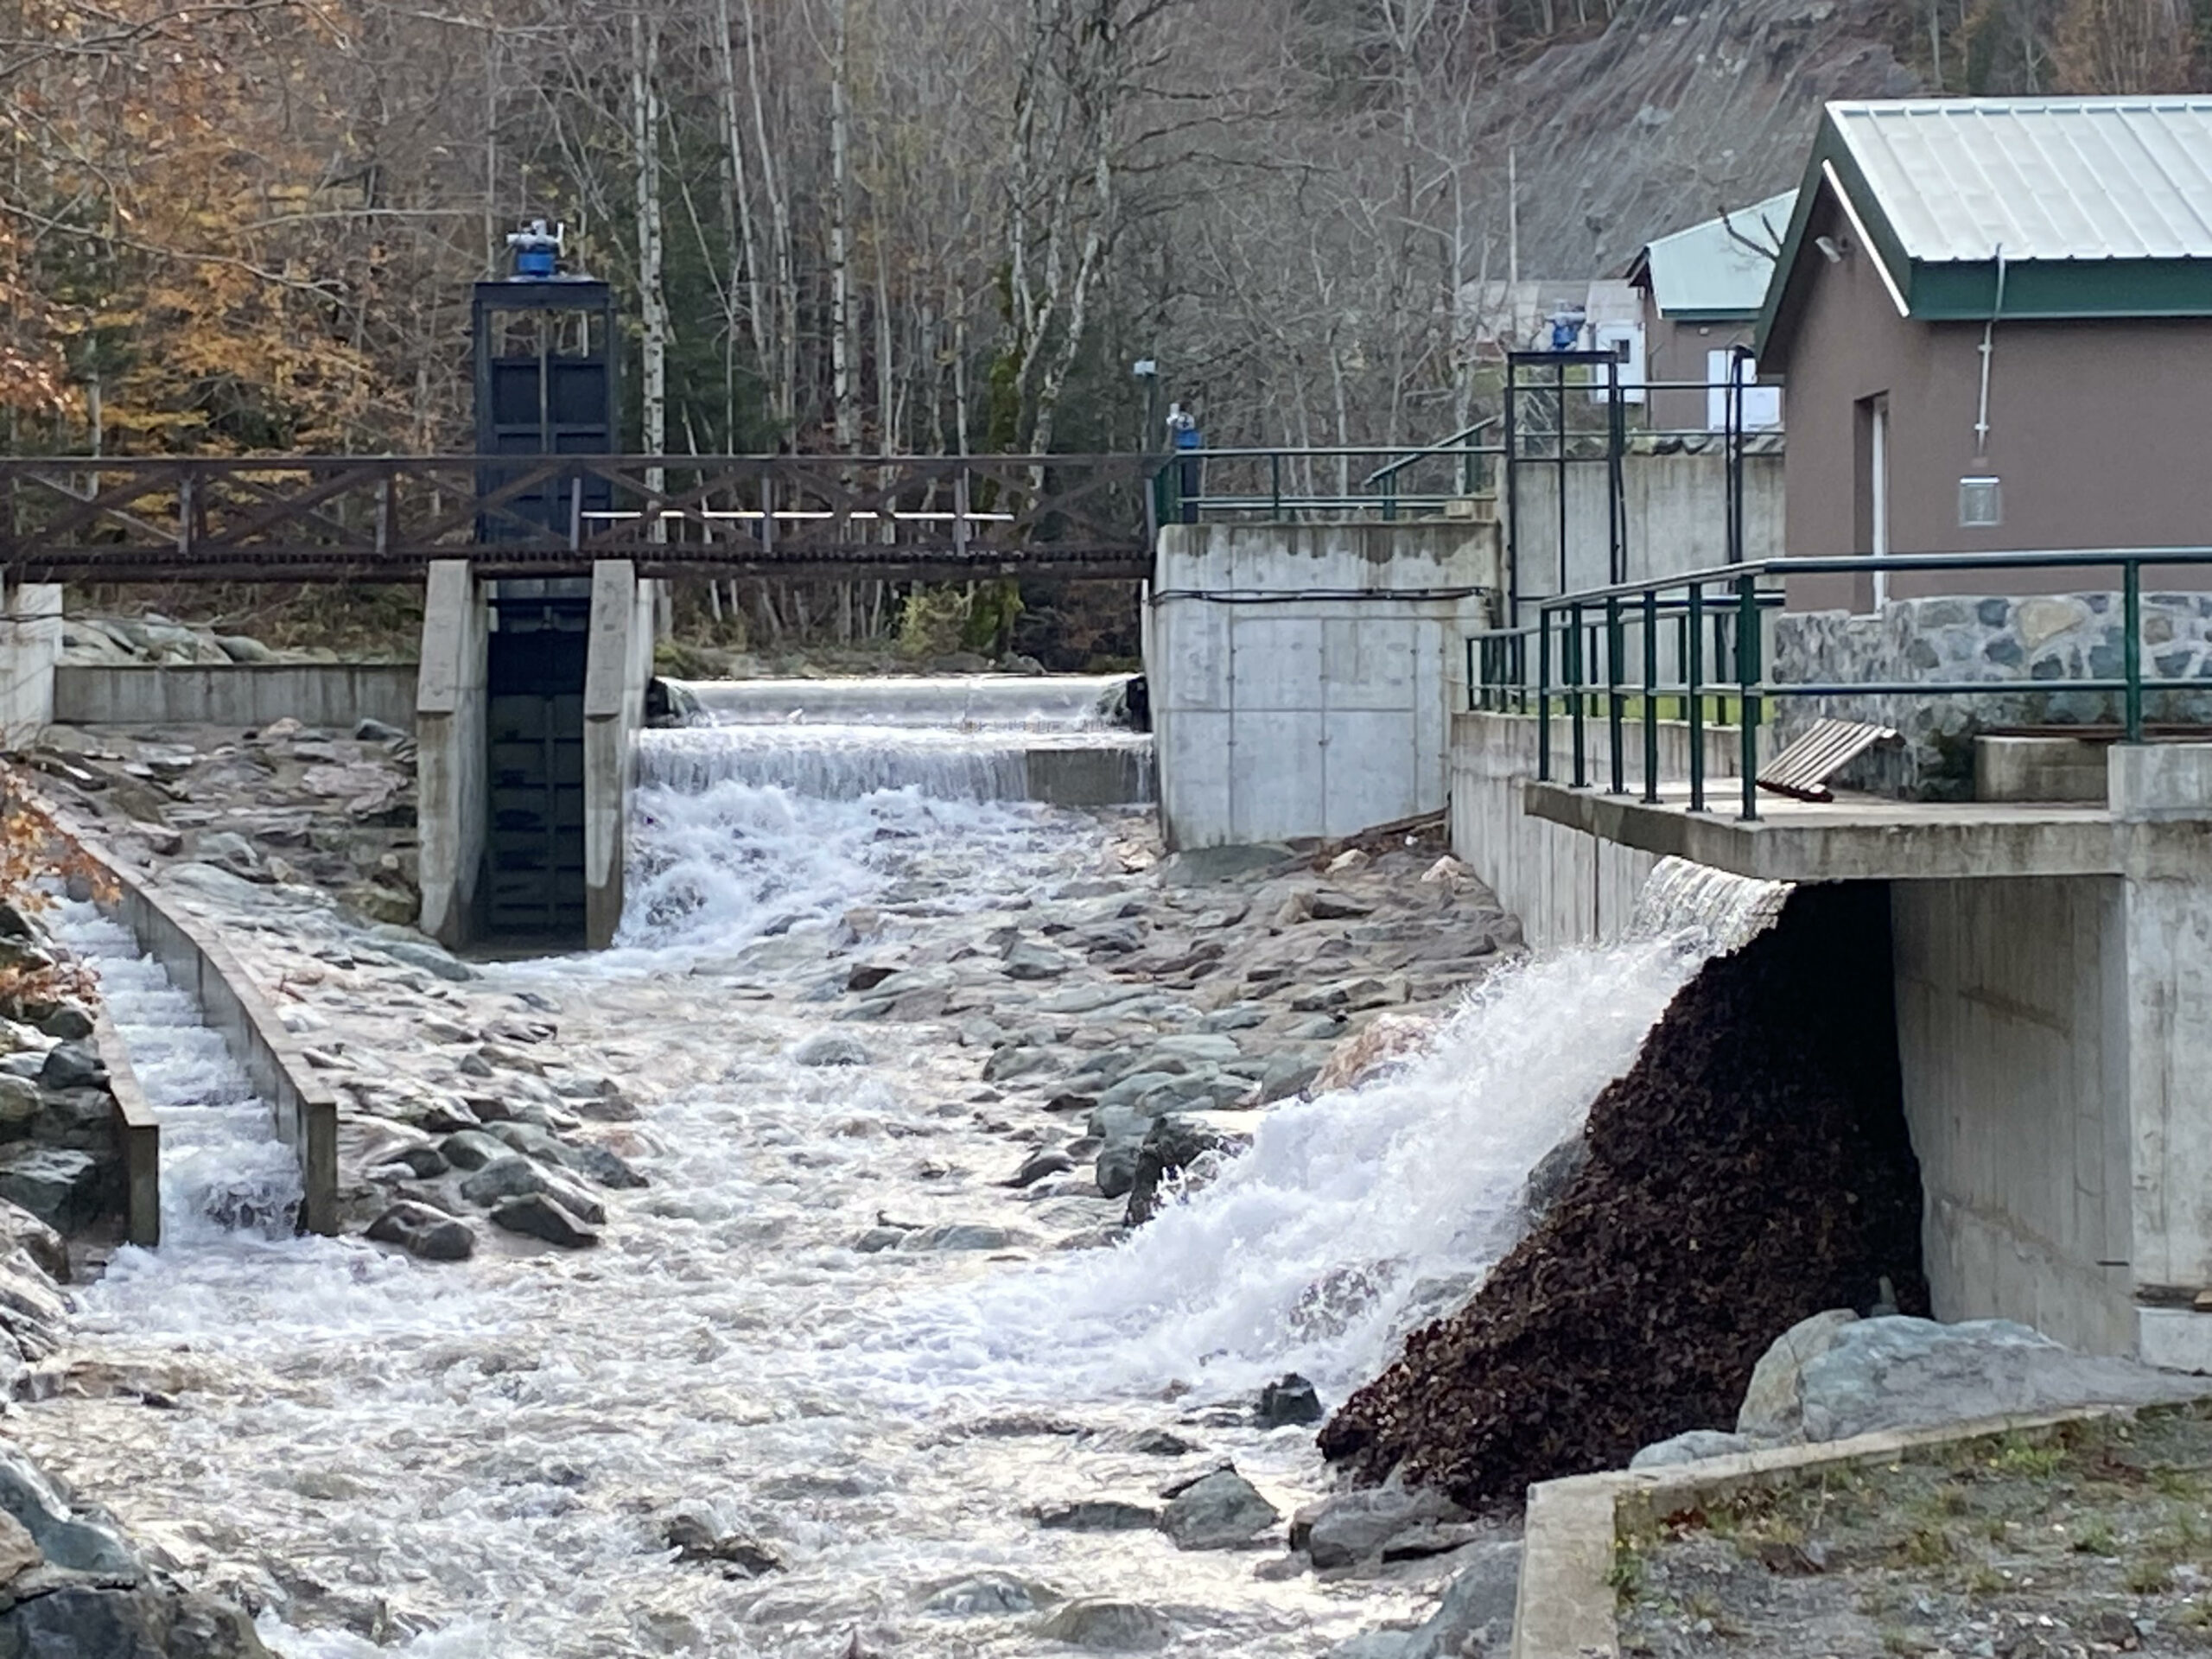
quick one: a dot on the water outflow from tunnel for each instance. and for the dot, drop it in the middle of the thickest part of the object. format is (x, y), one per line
(1362, 1213)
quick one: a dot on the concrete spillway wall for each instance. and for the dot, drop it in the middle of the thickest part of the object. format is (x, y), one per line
(1300, 674)
(336, 695)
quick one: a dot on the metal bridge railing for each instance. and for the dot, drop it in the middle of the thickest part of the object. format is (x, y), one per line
(1579, 644)
(1324, 481)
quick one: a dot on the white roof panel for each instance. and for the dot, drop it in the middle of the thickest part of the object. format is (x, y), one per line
(2095, 178)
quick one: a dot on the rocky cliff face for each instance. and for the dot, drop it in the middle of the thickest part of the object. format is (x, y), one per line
(1677, 111)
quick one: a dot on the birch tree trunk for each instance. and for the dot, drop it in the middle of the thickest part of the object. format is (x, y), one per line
(644, 134)
(844, 392)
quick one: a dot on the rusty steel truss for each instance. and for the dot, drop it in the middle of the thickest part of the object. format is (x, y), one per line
(382, 519)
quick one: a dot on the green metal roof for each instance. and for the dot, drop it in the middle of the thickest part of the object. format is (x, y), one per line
(1717, 271)
(2097, 206)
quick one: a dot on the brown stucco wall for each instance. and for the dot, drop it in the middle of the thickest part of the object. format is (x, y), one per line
(2101, 431)
(1675, 350)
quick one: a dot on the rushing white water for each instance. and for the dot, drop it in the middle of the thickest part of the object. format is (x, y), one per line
(225, 1177)
(848, 762)
(1059, 702)
(1352, 1216)
(465, 1462)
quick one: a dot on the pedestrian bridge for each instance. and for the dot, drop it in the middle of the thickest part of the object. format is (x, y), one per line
(387, 518)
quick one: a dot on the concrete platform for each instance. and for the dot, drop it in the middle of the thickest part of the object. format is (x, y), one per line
(1853, 838)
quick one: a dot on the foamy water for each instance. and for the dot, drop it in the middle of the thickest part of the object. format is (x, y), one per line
(465, 1463)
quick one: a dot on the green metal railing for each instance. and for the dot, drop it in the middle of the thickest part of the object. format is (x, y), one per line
(1720, 607)
(1195, 484)
(1383, 480)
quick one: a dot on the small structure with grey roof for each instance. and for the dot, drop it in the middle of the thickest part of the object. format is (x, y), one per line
(1701, 290)
(1995, 318)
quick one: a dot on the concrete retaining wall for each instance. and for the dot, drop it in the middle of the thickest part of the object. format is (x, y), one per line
(335, 694)
(1567, 888)
(1300, 674)
(30, 644)
(140, 1133)
(2015, 1079)
(452, 772)
(624, 615)
(1677, 517)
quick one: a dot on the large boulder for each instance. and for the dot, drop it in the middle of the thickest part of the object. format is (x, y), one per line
(1773, 1406)
(1108, 1626)
(60, 1186)
(1358, 1526)
(1222, 1511)
(423, 1231)
(1387, 1040)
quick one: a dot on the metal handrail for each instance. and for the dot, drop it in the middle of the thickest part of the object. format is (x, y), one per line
(1497, 658)
(1389, 469)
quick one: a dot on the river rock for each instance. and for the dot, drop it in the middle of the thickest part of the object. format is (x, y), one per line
(985, 1595)
(89, 1619)
(1030, 960)
(1040, 1164)
(539, 1216)
(1222, 1511)
(1287, 1402)
(22, 1230)
(1108, 1626)
(473, 1149)
(1358, 1526)
(425, 1232)
(367, 730)
(830, 1048)
(19, 1105)
(1098, 1515)
(67, 1021)
(958, 1235)
(607, 1168)
(1388, 1040)
(1015, 1060)
(65, 1537)
(1326, 904)
(1117, 1171)
(432, 959)
(1173, 1145)
(1898, 1372)
(60, 1186)
(72, 1065)
(421, 1160)
(1554, 1172)
(510, 1176)
(530, 1140)
(1693, 1446)
(1476, 1615)
(1773, 1407)
(699, 1532)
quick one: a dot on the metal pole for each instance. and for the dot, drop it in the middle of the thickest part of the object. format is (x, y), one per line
(1616, 503)
(2131, 622)
(1615, 700)
(1650, 695)
(1747, 680)
(1574, 681)
(1693, 672)
(1274, 484)
(1559, 375)
(1543, 694)
(1512, 499)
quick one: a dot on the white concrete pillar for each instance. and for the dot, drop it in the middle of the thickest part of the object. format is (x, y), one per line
(453, 770)
(31, 645)
(625, 625)
(2161, 800)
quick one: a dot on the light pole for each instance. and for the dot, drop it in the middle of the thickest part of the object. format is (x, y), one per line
(1147, 370)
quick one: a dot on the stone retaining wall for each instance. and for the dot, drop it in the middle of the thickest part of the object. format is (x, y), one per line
(2015, 643)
